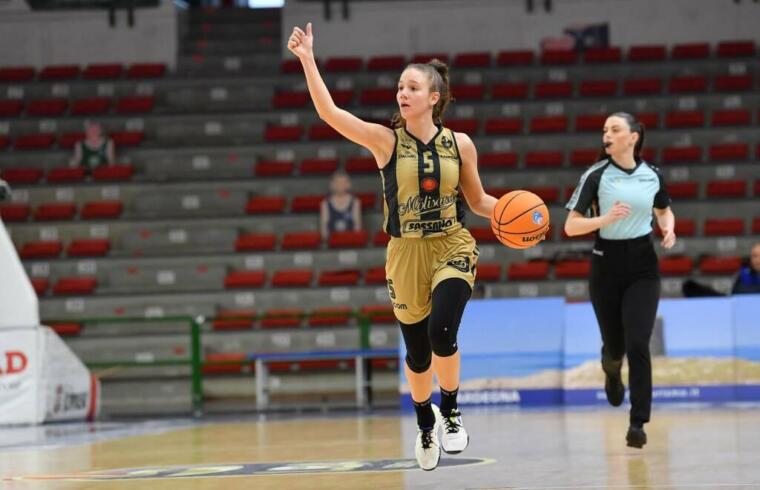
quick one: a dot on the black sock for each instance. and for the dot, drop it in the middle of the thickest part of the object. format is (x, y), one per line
(425, 415)
(448, 401)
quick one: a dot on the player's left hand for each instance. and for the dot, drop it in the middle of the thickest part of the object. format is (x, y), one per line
(668, 238)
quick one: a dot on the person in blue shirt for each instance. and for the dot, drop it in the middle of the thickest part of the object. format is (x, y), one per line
(748, 280)
(340, 210)
(616, 199)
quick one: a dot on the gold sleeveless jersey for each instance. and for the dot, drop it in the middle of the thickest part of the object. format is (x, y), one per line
(421, 187)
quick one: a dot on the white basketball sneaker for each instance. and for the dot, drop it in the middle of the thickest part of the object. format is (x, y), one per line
(427, 447)
(455, 438)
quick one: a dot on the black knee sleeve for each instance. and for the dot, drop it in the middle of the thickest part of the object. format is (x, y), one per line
(449, 299)
(418, 351)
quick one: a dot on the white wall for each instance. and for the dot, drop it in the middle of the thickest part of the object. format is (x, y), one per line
(80, 37)
(18, 301)
(492, 25)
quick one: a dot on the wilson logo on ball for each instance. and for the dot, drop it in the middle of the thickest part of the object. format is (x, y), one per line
(429, 184)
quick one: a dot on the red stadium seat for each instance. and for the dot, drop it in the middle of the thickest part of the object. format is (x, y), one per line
(649, 119)
(75, 285)
(307, 204)
(292, 66)
(127, 138)
(229, 363)
(548, 194)
(323, 132)
(553, 89)
(757, 187)
(273, 168)
(36, 141)
(339, 278)
(756, 221)
(368, 200)
(234, 320)
(288, 99)
(468, 126)
(40, 285)
(736, 49)
(146, 70)
(724, 226)
(675, 154)
(687, 84)
(380, 239)
(504, 159)
(544, 159)
(318, 166)
(513, 58)
(729, 151)
(47, 107)
(248, 242)
(14, 212)
(488, 272)
(386, 63)
(292, 278)
(245, 279)
(282, 318)
(89, 247)
(56, 211)
(731, 117)
(10, 108)
(342, 97)
(590, 122)
(733, 83)
(135, 104)
(611, 54)
(375, 275)
(463, 92)
(548, 124)
(379, 313)
(503, 125)
(346, 64)
(425, 57)
(16, 74)
(330, 316)
(102, 209)
(642, 86)
(67, 329)
(559, 57)
(283, 133)
(720, 265)
(676, 265)
(103, 71)
(90, 106)
(533, 270)
(510, 90)
(685, 227)
(300, 240)
(727, 188)
(481, 59)
(377, 96)
(361, 165)
(651, 52)
(483, 234)
(690, 51)
(68, 140)
(572, 269)
(47, 249)
(598, 88)
(348, 239)
(113, 173)
(265, 205)
(66, 174)
(685, 119)
(683, 190)
(584, 157)
(21, 175)
(59, 72)
(3, 142)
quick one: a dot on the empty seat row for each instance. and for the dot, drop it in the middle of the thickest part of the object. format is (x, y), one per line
(484, 59)
(95, 71)
(55, 175)
(90, 106)
(61, 211)
(46, 141)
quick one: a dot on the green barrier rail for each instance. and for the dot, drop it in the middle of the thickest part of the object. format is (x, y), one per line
(195, 360)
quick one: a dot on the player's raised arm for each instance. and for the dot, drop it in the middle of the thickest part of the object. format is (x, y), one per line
(376, 138)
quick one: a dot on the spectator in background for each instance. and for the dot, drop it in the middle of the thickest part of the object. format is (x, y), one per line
(748, 280)
(94, 150)
(340, 210)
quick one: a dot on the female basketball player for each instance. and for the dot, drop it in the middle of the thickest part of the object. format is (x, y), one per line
(431, 257)
(620, 191)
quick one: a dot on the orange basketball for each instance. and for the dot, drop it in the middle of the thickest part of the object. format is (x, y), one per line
(520, 219)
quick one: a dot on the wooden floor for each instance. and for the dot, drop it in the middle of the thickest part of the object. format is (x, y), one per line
(688, 448)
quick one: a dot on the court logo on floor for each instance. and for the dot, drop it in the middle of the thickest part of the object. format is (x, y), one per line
(260, 469)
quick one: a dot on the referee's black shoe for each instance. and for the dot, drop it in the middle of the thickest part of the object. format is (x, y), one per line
(636, 437)
(613, 386)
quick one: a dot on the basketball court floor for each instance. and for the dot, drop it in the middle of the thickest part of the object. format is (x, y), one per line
(689, 448)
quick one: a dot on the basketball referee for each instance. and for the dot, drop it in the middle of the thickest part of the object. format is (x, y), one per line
(615, 199)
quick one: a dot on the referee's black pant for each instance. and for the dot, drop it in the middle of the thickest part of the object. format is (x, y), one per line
(625, 290)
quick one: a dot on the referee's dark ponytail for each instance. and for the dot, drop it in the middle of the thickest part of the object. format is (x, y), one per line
(636, 126)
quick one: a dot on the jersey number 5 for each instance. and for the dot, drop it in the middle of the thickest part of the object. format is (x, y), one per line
(427, 157)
